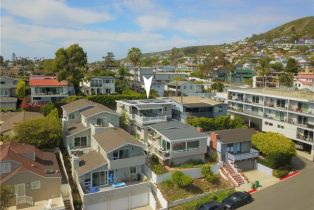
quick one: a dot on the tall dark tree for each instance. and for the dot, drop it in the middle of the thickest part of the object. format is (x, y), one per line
(292, 66)
(109, 60)
(1, 60)
(70, 64)
(286, 79)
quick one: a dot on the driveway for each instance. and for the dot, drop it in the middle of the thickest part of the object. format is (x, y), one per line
(294, 193)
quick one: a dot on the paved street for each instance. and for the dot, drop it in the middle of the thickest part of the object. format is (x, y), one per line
(295, 193)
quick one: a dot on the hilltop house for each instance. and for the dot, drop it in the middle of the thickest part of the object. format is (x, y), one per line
(107, 161)
(98, 85)
(48, 88)
(8, 92)
(30, 172)
(185, 88)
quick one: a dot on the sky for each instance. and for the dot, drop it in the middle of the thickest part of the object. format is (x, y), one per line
(37, 28)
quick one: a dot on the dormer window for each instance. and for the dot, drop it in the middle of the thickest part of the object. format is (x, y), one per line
(5, 168)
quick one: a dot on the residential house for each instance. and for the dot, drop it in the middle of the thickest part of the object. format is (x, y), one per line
(98, 85)
(32, 174)
(175, 143)
(9, 119)
(8, 92)
(11, 71)
(107, 162)
(141, 113)
(284, 111)
(195, 106)
(48, 88)
(240, 75)
(185, 88)
(304, 81)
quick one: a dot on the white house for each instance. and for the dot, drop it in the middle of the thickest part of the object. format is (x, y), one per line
(98, 85)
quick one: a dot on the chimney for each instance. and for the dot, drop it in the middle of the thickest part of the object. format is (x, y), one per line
(213, 140)
(199, 129)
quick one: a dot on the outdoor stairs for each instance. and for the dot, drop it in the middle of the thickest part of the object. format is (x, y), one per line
(67, 205)
(234, 176)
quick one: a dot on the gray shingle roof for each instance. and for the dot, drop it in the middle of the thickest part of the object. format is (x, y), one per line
(98, 108)
(175, 130)
(78, 104)
(235, 135)
(90, 161)
(76, 128)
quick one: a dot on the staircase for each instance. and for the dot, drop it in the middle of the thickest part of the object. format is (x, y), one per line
(233, 175)
(67, 205)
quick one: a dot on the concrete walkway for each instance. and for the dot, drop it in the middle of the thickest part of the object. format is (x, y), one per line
(144, 208)
(255, 175)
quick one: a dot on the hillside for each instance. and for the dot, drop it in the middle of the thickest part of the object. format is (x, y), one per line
(294, 29)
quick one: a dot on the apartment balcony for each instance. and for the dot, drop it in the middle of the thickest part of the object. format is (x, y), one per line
(308, 138)
(299, 123)
(235, 108)
(236, 98)
(125, 162)
(254, 113)
(142, 120)
(243, 156)
(261, 103)
(300, 110)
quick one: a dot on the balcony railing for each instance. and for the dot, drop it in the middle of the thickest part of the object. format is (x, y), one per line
(305, 138)
(24, 200)
(162, 153)
(144, 119)
(243, 156)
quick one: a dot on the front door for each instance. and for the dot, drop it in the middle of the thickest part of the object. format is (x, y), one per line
(20, 189)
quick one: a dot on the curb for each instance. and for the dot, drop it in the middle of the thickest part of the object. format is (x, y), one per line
(289, 175)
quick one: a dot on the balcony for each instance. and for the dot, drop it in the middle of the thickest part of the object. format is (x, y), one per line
(305, 138)
(162, 153)
(256, 113)
(125, 162)
(243, 156)
(146, 120)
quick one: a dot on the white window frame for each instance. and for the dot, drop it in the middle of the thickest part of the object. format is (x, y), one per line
(80, 140)
(5, 168)
(35, 185)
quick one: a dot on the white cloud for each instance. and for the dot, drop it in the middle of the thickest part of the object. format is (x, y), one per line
(154, 22)
(52, 12)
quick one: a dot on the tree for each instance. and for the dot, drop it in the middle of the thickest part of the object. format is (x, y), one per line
(123, 72)
(109, 60)
(286, 79)
(135, 55)
(1, 60)
(47, 108)
(20, 89)
(43, 132)
(217, 86)
(263, 68)
(277, 66)
(47, 66)
(277, 149)
(175, 54)
(6, 194)
(292, 66)
(70, 64)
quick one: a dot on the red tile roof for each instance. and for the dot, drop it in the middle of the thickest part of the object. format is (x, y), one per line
(16, 152)
(46, 81)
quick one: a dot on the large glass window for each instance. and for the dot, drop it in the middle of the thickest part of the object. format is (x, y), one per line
(193, 145)
(5, 168)
(179, 146)
(99, 178)
(80, 141)
(165, 145)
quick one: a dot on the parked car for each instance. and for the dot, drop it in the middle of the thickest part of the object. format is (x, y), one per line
(213, 205)
(237, 200)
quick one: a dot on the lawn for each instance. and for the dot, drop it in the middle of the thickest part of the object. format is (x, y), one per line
(218, 196)
(171, 192)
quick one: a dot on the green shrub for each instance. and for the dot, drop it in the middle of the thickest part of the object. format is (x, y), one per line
(213, 156)
(213, 178)
(280, 173)
(180, 179)
(154, 159)
(205, 170)
(277, 149)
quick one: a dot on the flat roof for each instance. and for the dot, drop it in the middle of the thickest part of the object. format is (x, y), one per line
(175, 130)
(278, 92)
(186, 100)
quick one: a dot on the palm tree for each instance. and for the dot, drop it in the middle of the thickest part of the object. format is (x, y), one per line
(135, 55)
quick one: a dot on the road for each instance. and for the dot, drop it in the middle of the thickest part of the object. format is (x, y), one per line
(294, 193)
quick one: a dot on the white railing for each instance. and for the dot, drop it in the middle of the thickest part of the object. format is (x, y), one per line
(143, 119)
(24, 199)
(242, 156)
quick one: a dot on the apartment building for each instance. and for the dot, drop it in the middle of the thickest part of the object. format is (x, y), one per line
(288, 112)
(48, 88)
(98, 85)
(107, 161)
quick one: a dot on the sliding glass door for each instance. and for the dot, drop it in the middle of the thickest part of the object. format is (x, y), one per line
(99, 178)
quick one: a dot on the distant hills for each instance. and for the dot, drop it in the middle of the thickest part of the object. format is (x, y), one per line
(294, 29)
